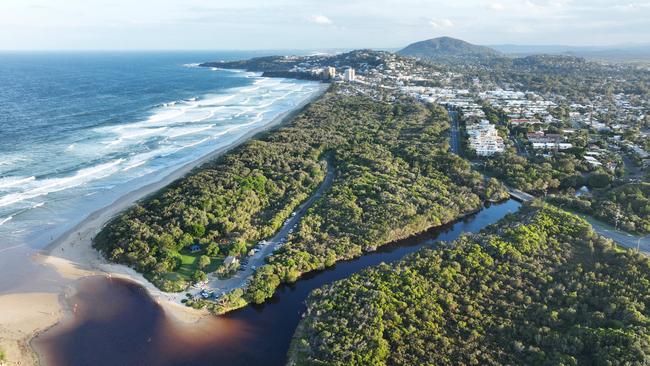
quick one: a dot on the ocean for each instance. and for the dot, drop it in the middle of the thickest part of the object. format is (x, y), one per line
(80, 130)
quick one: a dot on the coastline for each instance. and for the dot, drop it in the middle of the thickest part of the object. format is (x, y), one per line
(72, 257)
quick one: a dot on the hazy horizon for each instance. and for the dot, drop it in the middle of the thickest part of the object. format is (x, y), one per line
(76, 25)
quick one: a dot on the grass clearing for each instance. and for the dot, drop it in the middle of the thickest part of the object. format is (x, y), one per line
(189, 265)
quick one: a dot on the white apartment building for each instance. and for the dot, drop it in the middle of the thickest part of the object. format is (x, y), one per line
(329, 73)
(484, 139)
(551, 145)
(349, 75)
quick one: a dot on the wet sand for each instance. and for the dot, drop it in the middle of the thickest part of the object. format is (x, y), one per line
(21, 318)
(35, 296)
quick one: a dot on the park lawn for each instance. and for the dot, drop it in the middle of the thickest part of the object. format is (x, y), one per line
(189, 265)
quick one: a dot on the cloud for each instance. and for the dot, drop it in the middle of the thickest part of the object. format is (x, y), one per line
(441, 23)
(634, 6)
(320, 19)
(496, 6)
(548, 3)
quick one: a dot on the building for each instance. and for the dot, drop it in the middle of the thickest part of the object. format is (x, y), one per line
(329, 73)
(349, 75)
(593, 161)
(551, 145)
(547, 141)
(231, 259)
(525, 121)
(484, 139)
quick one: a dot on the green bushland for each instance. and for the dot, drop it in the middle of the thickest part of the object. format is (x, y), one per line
(394, 177)
(537, 174)
(537, 288)
(626, 205)
(227, 204)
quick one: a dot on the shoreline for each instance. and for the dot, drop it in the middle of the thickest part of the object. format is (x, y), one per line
(72, 257)
(55, 252)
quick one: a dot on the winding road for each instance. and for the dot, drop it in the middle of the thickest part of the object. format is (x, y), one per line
(271, 245)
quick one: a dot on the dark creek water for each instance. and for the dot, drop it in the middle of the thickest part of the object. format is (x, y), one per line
(117, 323)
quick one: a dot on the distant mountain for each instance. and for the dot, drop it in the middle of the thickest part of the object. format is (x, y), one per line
(447, 48)
(633, 52)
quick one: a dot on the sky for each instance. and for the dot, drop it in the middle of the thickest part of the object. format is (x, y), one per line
(314, 24)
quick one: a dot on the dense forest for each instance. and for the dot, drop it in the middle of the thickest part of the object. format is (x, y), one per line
(538, 174)
(394, 177)
(539, 287)
(627, 206)
(222, 206)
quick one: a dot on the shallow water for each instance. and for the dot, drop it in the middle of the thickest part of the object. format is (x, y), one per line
(118, 324)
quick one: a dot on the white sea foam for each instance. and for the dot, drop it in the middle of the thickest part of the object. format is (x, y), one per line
(135, 132)
(203, 117)
(134, 165)
(6, 219)
(179, 124)
(113, 142)
(188, 131)
(11, 182)
(47, 186)
(165, 114)
(195, 143)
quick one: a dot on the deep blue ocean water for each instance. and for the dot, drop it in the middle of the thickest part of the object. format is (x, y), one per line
(78, 131)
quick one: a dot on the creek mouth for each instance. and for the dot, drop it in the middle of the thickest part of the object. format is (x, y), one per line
(115, 322)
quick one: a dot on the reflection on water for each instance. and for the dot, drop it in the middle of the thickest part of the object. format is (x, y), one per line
(117, 323)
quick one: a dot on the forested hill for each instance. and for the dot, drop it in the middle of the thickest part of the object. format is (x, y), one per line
(537, 288)
(448, 49)
(300, 67)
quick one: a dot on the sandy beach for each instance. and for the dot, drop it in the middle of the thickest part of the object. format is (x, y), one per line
(71, 257)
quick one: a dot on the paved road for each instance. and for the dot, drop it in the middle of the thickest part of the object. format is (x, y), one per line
(520, 195)
(454, 139)
(622, 238)
(258, 259)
